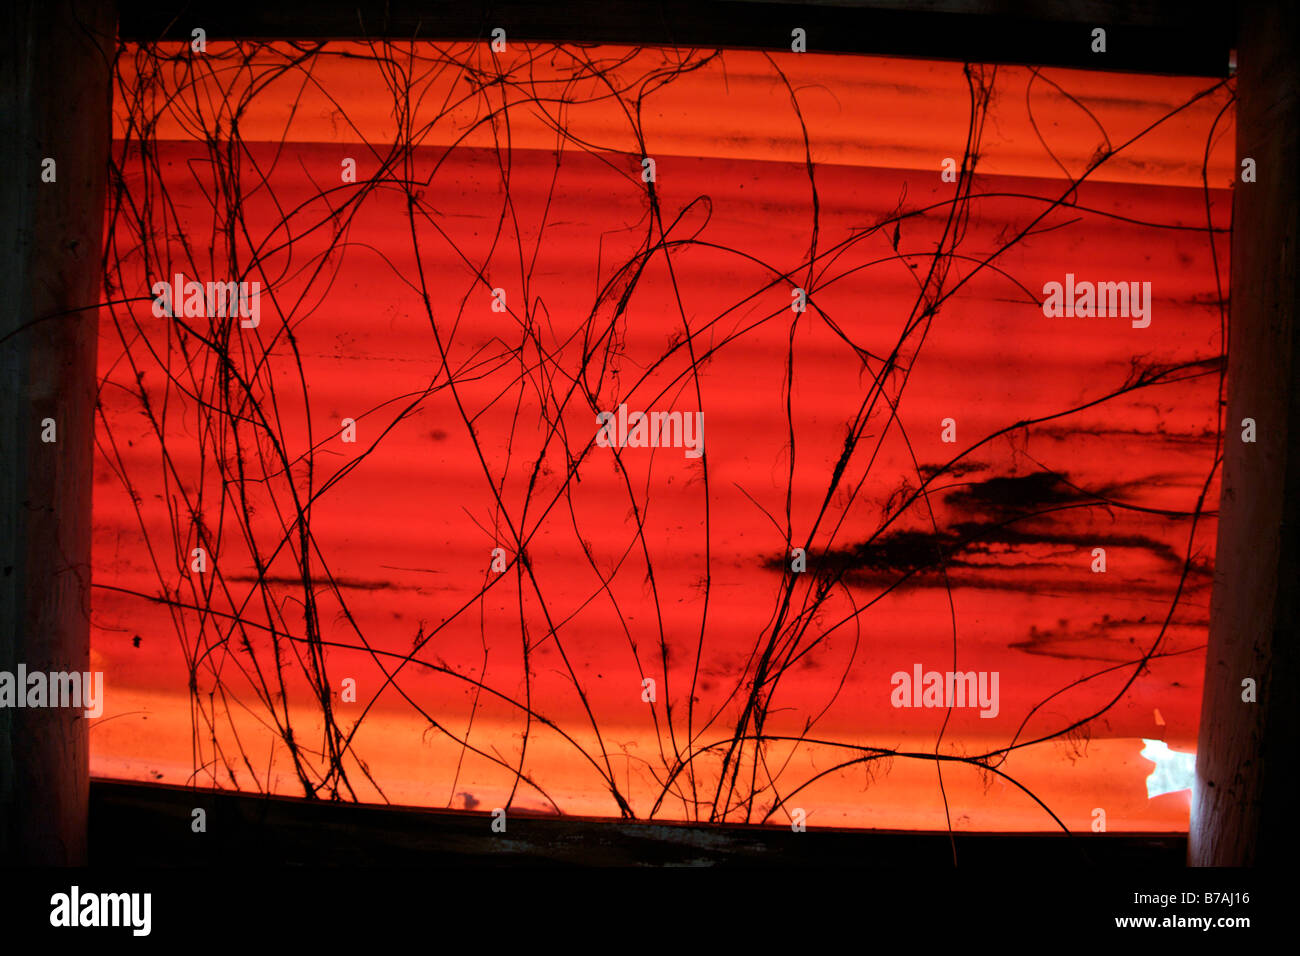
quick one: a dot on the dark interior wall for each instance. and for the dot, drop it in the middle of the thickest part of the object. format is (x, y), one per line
(54, 96)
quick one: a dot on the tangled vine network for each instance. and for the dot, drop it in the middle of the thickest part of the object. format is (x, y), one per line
(556, 623)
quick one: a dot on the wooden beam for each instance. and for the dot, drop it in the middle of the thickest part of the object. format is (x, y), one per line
(1241, 809)
(1191, 38)
(54, 103)
(134, 824)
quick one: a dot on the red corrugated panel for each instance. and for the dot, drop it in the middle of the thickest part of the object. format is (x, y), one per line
(475, 429)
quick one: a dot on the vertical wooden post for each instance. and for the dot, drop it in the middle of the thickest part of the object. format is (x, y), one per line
(1243, 803)
(54, 102)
